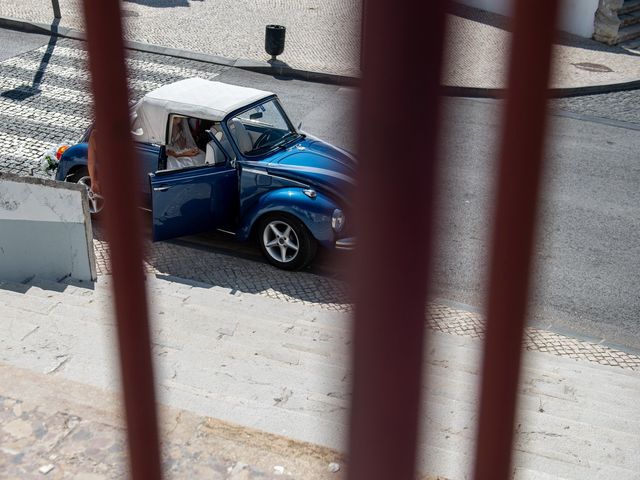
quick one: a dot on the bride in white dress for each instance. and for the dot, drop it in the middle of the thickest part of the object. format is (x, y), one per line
(182, 150)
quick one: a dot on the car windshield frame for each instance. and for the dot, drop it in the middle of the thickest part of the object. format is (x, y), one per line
(283, 141)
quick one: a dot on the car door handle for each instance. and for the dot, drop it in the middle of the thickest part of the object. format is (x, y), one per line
(164, 188)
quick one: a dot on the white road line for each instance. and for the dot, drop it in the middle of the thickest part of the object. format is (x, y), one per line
(23, 146)
(71, 73)
(37, 115)
(47, 91)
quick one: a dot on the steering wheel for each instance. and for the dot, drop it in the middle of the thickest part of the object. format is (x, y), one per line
(263, 138)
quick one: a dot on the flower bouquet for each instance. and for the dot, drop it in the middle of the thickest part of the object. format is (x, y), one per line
(48, 161)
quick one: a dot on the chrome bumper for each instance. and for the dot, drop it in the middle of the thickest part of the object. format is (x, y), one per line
(348, 243)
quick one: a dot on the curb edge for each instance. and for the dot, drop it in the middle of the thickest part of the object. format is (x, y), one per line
(283, 70)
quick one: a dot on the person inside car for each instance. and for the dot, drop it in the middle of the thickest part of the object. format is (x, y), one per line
(182, 150)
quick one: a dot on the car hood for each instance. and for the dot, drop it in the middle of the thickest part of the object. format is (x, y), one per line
(316, 163)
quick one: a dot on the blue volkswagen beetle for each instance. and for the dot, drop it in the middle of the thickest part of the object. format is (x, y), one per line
(219, 156)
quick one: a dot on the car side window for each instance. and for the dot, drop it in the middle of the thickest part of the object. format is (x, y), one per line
(187, 141)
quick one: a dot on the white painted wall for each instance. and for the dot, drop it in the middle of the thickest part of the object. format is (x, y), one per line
(45, 230)
(576, 17)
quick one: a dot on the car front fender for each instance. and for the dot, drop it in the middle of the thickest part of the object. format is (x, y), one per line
(71, 158)
(315, 212)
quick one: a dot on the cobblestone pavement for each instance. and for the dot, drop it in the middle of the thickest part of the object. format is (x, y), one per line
(461, 322)
(45, 98)
(322, 36)
(248, 276)
(325, 36)
(619, 106)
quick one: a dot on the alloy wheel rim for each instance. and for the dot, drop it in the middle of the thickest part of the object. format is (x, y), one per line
(280, 241)
(96, 201)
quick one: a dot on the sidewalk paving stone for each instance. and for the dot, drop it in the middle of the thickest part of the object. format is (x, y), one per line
(325, 37)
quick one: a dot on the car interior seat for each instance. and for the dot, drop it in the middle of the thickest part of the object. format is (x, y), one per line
(215, 155)
(242, 137)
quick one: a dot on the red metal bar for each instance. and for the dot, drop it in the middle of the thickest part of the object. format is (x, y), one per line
(124, 231)
(398, 126)
(519, 176)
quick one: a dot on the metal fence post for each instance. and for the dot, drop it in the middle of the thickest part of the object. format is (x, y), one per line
(124, 232)
(402, 56)
(521, 155)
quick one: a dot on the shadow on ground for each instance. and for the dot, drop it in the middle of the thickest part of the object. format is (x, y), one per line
(23, 92)
(230, 265)
(504, 23)
(161, 3)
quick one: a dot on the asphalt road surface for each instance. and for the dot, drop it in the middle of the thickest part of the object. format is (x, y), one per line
(13, 43)
(588, 250)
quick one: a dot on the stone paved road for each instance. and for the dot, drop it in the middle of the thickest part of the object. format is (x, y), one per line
(618, 106)
(45, 98)
(62, 108)
(321, 36)
(325, 36)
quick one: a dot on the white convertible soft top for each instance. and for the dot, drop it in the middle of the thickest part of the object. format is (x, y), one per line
(194, 97)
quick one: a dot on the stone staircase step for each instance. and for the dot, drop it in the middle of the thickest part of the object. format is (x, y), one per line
(623, 418)
(284, 368)
(542, 433)
(629, 18)
(521, 473)
(223, 356)
(11, 298)
(247, 332)
(545, 362)
(294, 424)
(584, 392)
(435, 392)
(628, 33)
(629, 6)
(548, 384)
(529, 406)
(574, 468)
(451, 464)
(194, 336)
(631, 45)
(204, 366)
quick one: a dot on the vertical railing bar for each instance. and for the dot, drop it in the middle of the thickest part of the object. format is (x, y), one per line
(398, 132)
(521, 156)
(123, 222)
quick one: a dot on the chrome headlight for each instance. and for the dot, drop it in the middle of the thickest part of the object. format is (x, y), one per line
(338, 220)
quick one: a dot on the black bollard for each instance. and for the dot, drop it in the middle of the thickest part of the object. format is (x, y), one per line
(274, 40)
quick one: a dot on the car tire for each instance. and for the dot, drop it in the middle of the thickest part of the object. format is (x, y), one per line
(81, 176)
(286, 242)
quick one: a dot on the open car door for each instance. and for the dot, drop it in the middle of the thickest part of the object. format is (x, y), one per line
(193, 200)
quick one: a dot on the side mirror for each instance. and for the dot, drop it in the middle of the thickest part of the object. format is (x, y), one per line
(255, 116)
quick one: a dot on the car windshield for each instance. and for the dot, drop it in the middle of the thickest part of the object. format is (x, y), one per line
(261, 129)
